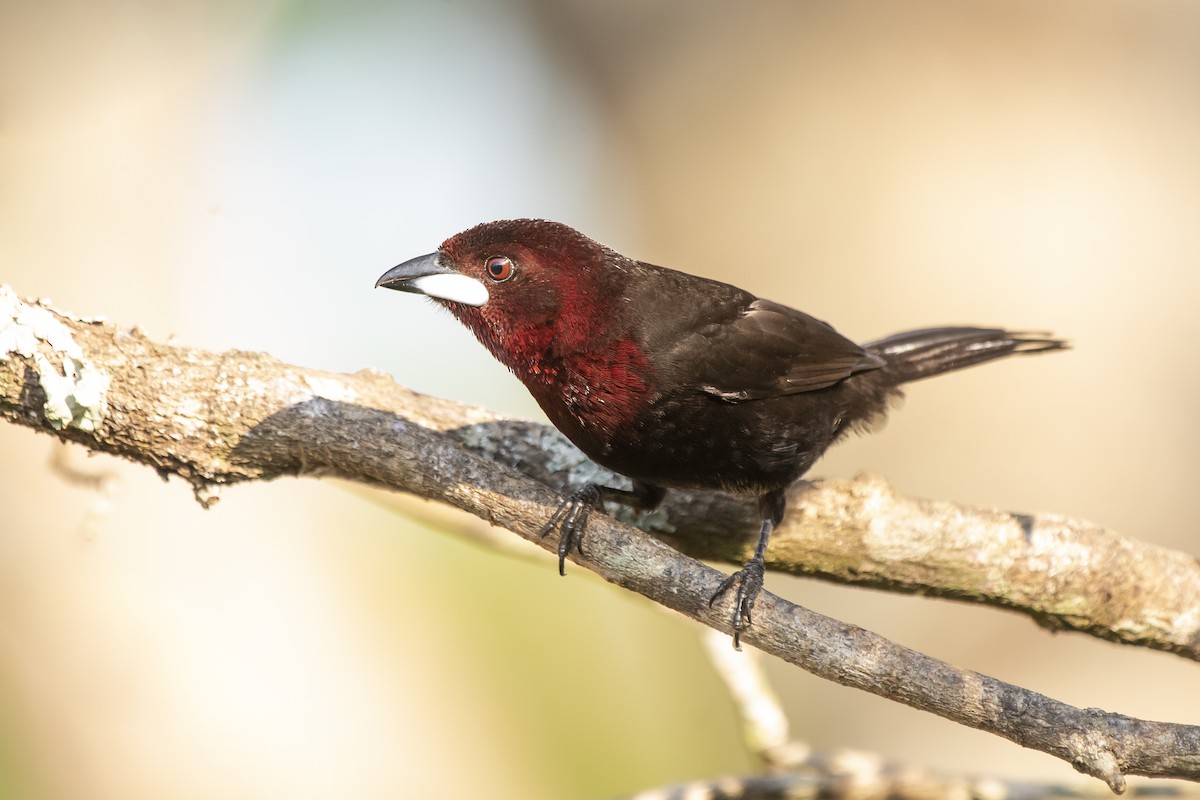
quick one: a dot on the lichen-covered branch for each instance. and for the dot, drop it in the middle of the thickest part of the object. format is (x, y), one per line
(218, 418)
(198, 415)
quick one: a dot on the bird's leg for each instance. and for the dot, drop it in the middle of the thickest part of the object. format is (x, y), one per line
(572, 513)
(749, 578)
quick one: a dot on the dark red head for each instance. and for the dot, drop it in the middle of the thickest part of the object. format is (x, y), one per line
(531, 290)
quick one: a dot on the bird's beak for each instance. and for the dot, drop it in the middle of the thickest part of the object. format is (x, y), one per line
(426, 275)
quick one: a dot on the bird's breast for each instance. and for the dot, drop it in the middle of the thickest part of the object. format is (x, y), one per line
(595, 397)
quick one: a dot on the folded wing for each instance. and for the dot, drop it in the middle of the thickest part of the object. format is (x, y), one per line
(768, 350)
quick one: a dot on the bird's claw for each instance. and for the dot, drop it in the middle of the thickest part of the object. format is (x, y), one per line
(571, 517)
(749, 580)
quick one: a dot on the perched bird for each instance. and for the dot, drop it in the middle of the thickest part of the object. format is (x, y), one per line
(672, 380)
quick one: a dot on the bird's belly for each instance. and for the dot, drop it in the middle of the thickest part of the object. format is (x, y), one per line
(703, 443)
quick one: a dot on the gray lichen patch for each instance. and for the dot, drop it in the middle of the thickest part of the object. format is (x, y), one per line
(75, 395)
(547, 455)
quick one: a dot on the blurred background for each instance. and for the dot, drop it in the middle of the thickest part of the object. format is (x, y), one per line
(238, 174)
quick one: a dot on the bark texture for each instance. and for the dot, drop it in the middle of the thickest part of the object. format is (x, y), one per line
(221, 418)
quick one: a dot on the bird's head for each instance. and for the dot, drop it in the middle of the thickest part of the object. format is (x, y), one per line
(527, 288)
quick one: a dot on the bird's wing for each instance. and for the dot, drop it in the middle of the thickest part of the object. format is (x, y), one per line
(768, 350)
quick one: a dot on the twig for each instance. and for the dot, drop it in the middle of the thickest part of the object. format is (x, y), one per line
(795, 770)
(764, 725)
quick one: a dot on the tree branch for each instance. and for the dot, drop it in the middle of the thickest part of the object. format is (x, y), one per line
(219, 418)
(795, 769)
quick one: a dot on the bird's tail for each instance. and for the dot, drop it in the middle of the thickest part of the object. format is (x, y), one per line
(920, 354)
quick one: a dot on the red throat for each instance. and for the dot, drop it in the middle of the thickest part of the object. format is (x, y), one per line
(597, 393)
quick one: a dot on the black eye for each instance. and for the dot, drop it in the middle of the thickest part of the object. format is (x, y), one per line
(499, 268)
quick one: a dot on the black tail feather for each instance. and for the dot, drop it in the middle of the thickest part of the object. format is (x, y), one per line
(920, 354)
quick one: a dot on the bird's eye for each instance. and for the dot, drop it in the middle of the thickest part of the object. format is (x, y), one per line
(499, 268)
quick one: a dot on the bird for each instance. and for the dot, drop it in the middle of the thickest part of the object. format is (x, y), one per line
(676, 381)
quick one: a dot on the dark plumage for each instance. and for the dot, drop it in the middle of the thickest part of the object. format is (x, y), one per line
(676, 381)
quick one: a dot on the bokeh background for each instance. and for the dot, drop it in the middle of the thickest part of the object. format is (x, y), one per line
(237, 174)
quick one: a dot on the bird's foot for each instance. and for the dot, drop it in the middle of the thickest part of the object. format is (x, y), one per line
(571, 517)
(749, 580)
